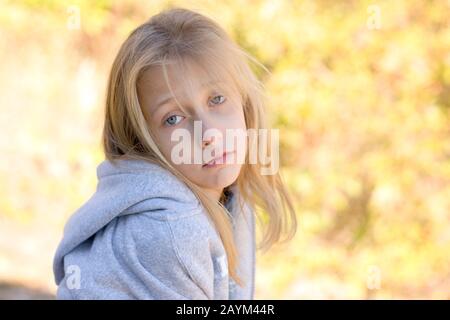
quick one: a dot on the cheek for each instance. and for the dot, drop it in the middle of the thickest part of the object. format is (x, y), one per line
(179, 146)
(162, 139)
(234, 131)
(234, 118)
(240, 118)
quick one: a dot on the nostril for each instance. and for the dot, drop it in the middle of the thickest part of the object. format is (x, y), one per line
(207, 142)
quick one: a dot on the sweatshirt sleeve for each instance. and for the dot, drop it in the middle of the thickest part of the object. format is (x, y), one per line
(139, 256)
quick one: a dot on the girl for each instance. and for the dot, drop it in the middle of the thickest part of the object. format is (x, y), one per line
(157, 228)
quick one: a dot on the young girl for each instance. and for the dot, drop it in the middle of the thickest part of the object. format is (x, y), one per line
(157, 228)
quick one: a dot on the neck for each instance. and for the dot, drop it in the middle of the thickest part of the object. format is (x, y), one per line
(214, 193)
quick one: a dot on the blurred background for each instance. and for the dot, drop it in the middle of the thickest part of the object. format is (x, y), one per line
(360, 91)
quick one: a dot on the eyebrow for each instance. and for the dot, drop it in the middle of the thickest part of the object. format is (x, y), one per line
(164, 101)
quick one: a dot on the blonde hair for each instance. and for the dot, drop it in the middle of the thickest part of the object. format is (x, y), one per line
(174, 35)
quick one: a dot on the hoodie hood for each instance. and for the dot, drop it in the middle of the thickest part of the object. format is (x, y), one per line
(125, 187)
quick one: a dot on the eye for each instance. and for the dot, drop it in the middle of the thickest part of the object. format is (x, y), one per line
(173, 120)
(219, 99)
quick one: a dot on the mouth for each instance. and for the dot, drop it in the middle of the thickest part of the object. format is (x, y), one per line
(218, 161)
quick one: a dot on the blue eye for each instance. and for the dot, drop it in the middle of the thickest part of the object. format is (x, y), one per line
(215, 99)
(173, 120)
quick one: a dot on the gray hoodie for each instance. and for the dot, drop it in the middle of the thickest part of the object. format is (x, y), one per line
(144, 235)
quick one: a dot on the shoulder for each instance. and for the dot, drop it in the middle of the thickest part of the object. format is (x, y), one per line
(140, 257)
(178, 251)
(146, 186)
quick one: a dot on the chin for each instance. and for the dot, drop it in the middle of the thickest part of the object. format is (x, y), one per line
(220, 178)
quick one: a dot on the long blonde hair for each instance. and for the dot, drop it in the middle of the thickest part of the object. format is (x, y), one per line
(173, 35)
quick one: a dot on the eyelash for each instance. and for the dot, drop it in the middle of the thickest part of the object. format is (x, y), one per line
(171, 125)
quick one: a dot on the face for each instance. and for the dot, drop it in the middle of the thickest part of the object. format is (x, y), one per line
(218, 110)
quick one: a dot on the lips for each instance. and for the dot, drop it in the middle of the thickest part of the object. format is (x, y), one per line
(215, 160)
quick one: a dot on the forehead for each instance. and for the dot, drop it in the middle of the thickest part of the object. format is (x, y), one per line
(182, 78)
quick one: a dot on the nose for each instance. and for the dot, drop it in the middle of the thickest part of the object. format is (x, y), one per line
(207, 141)
(211, 135)
(210, 131)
